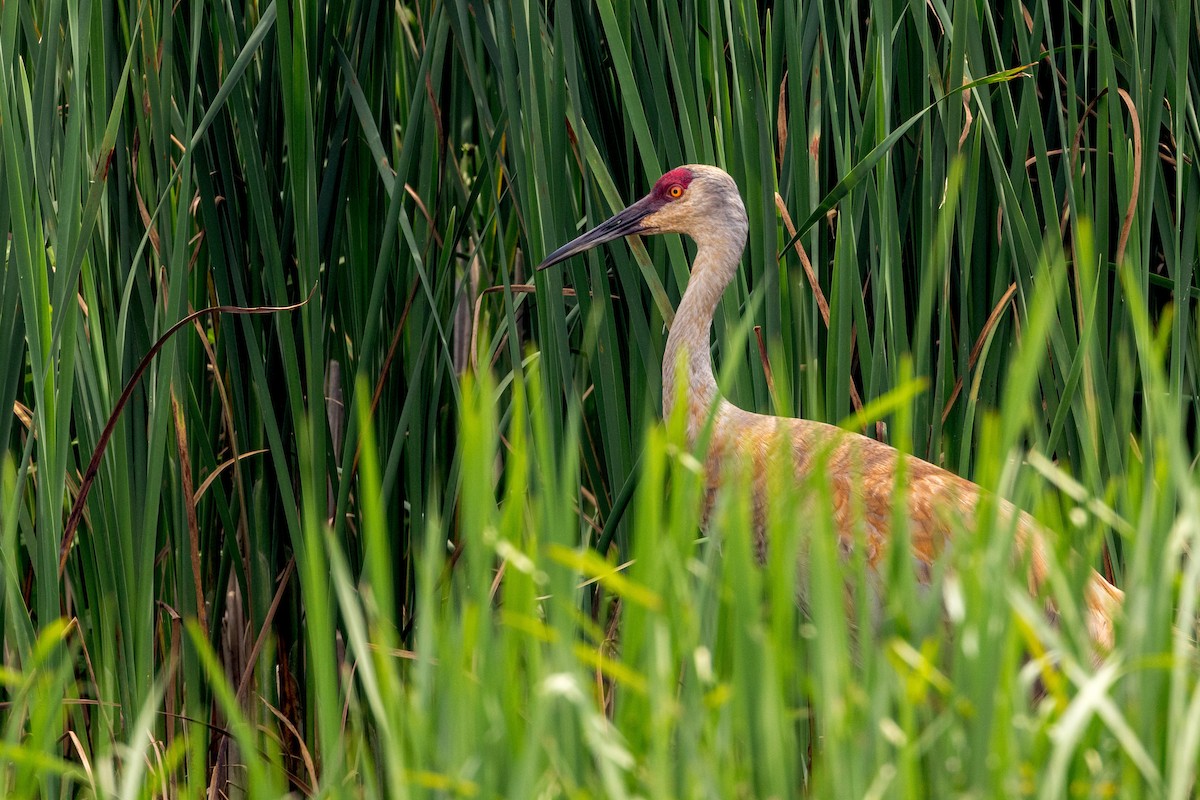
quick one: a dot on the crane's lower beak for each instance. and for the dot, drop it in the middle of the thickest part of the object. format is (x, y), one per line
(626, 223)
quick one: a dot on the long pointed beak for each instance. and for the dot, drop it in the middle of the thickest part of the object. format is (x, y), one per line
(624, 223)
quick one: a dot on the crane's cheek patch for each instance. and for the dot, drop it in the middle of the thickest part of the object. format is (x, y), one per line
(680, 176)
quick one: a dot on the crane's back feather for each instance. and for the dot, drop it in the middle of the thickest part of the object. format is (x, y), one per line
(861, 474)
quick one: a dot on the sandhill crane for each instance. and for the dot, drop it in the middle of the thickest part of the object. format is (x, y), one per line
(703, 203)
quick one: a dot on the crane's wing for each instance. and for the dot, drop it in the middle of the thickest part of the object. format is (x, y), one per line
(861, 473)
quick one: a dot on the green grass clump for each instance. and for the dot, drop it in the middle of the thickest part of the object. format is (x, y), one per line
(396, 517)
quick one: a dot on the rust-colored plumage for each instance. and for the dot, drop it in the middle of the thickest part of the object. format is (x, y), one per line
(703, 202)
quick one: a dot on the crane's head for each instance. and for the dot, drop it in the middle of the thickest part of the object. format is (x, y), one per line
(698, 200)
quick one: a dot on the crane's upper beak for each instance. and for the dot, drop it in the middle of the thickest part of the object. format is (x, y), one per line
(625, 223)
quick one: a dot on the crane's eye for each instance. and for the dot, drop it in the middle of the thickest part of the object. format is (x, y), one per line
(675, 192)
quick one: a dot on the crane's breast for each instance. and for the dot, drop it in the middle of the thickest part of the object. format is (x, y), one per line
(859, 474)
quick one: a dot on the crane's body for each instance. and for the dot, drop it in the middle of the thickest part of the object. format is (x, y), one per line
(703, 203)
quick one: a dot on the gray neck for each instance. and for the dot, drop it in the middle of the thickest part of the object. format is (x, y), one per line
(687, 352)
